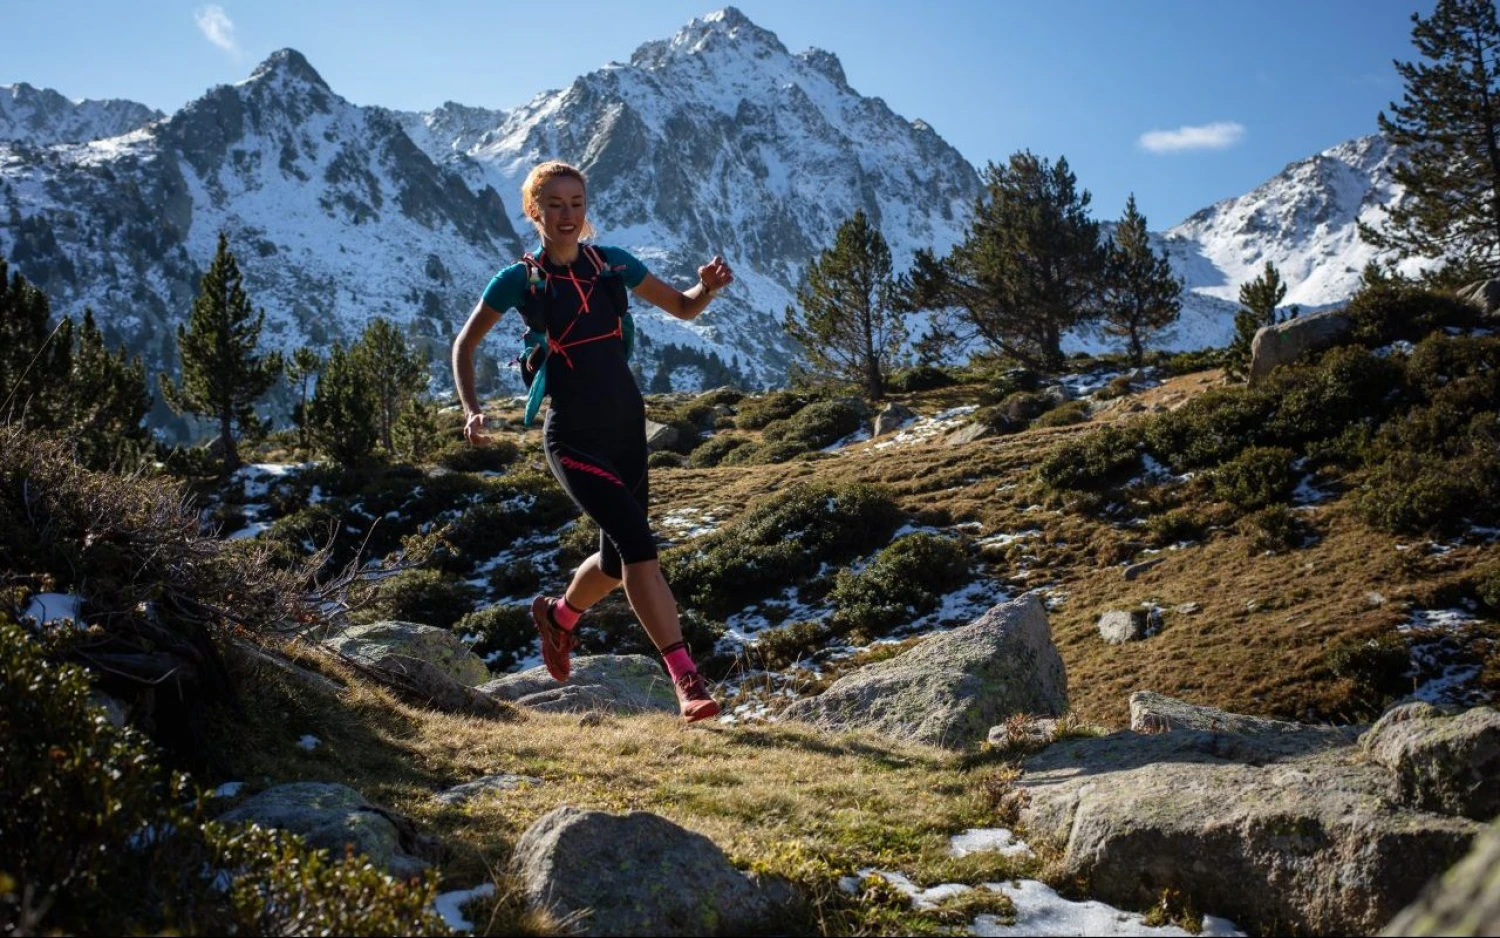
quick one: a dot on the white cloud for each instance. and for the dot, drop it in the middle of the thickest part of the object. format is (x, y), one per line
(217, 27)
(1216, 136)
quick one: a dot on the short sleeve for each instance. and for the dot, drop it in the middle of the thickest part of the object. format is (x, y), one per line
(634, 271)
(506, 289)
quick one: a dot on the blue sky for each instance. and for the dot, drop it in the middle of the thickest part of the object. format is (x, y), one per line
(1182, 102)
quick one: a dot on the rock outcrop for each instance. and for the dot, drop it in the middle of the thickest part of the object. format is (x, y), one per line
(612, 683)
(1285, 342)
(949, 690)
(329, 816)
(1274, 825)
(640, 874)
(428, 666)
(1465, 901)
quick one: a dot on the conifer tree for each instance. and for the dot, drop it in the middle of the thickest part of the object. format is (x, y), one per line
(1258, 300)
(223, 374)
(1027, 271)
(1141, 295)
(394, 374)
(846, 318)
(34, 353)
(341, 413)
(304, 363)
(109, 401)
(1448, 124)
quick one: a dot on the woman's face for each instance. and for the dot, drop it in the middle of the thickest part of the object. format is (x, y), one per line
(562, 203)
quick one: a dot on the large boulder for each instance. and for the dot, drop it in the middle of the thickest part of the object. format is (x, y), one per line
(1483, 295)
(1276, 827)
(1285, 342)
(426, 665)
(330, 816)
(949, 690)
(1441, 763)
(373, 643)
(614, 683)
(1464, 902)
(640, 874)
(895, 416)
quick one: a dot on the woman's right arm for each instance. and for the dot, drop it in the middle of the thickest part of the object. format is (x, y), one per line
(481, 320)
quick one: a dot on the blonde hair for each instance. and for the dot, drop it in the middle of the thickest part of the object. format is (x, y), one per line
(531, 192)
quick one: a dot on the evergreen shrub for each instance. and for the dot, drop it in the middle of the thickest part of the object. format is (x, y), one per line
(666, 459)
(1257, 477)
(1378, 668)
(1178, 525)
(780, 542)
(1209, 429)
(779, 648)
(427, 597)
(502, 634)
(920, 378)
(1065, 415)
(1094, 462)
(1416, 493)
(460, 456)
(757, 412)
(905, 581)
(715, 449)
(817, 425)
(1275, 528)
(1385, 312)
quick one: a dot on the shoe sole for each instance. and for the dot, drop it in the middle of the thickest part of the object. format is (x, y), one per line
(703, 714)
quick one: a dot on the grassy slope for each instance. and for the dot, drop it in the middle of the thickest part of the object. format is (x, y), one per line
(783, 799)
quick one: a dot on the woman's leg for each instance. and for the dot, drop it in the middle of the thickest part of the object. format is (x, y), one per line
(590, 583)
(652, 601)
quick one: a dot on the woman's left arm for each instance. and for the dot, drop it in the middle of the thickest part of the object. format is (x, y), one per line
(712, 277)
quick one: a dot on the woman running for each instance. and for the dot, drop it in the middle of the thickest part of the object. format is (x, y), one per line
(595, 432)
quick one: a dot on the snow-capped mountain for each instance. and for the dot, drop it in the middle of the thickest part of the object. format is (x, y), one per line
(720, 141)
(41, 117)
(714, 141)
(1305, 221)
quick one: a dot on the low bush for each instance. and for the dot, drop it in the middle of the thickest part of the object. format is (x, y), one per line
(1118, 386)
(1178, 525)
(427, 597)
(779, 648)
(1319, 400)
(666, 459)
(461, 456)
(1385, 312)
(1186, 363)
(1275, 529)
(1209, 429)
(721, 397)
(817, 425)
(1412, 493)
(715, 449)
(1065, 415)
(906, 580)
(1257, 477)
(1378, 667)
(1488, 588)
(99, 839)
(920, 378)
(1098, 460)
(757, 412)
(780, 542)
(502, 635)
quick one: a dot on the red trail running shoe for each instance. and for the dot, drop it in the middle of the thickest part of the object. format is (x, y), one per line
(557, 642)
(693, 698)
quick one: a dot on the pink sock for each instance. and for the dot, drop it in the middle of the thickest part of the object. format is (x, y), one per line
(565, 615)
(679, 662)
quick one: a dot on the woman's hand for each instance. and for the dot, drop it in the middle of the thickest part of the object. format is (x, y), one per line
(715, 275)
(474, 430)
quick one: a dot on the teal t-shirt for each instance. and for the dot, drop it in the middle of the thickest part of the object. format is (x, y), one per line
(508, 288)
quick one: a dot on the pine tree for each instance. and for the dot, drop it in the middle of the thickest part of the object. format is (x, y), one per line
(1027, 271)
(34, 354)
(222, 373)
(846, 318)
(1141, 295)
(109, 401)
(341, 413)
(1258, 299)
(1448, 123)
(299, 371)
(394, 374)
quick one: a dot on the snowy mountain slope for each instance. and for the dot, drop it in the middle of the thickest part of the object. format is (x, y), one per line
(335, 216)
(715, 140)
(720, 141)
(41, 117)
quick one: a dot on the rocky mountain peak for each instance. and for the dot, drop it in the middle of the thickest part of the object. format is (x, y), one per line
(826, 64)
(287, 65)
(723, 31)
(43, 117)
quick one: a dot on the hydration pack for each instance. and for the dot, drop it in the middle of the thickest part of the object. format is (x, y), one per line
(538, 345)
